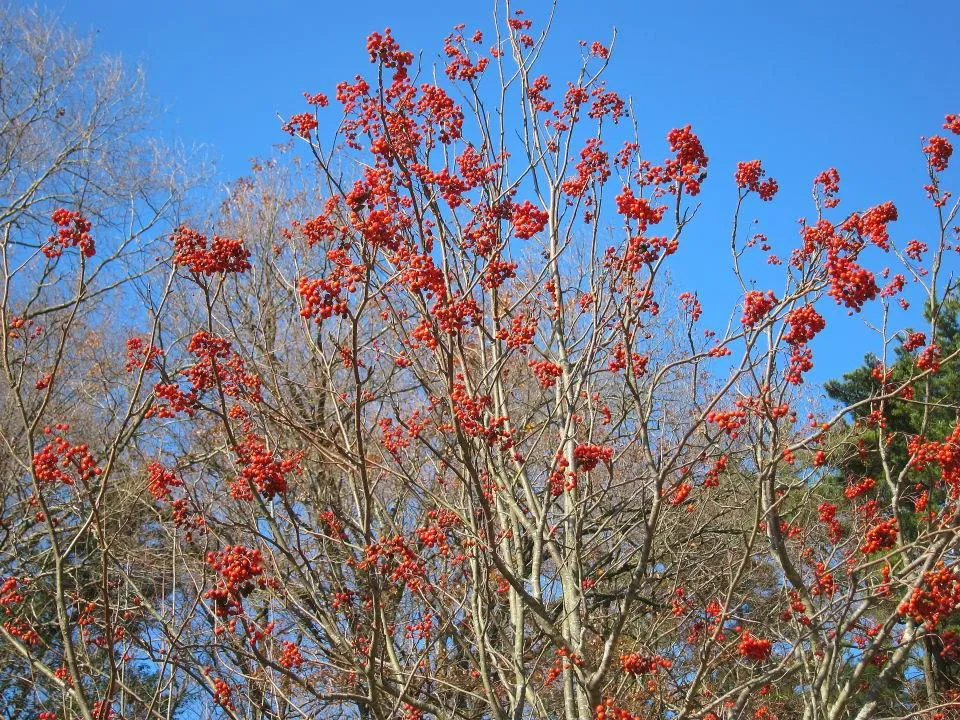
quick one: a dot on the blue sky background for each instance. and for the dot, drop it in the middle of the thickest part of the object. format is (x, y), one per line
(801, 85)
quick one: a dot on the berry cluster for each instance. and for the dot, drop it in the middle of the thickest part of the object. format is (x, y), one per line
(290, 658)
(260, 469)
(639, 209)
(593, 167)
(937, 597)
(748, 177)
(609, 711)
(753, 647)
(73, 230)
(637, 664)
(730, 421)
(756, 305)
(805, 322)
(829, 184)
(938, 150)
(141, 356)
(929, 359)
(223, 255)
(59, 461)
(160, 480)
(860, 487)
(241, 570)
(881, 536)
(827, 512)
(688, 168)
(301, 124)
(546, 372)
(587, 456)
(216, 362)
(528, 220)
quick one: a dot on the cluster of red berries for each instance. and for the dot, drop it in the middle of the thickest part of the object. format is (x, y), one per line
(528, 219)
(290, 658)
(753, 647)
(420, 274)
(422, 629)
(618, 361)
(560, 478)
(160, 480)
(322, 228)
(824, 583)
(805, 322)
(915, 249)
(850, 284)
(385, 49)
(914, 340)
(241, 570)
(395, 438)
(222, 694)
(324, 297)
(565, 660)
(638, 209)
(688, 166)
(223, 255)
(937, 597)
(929, 359)
(536, 90)
(945, 453)
(691, 305)
(829, 183)
(637, 664)
(300, 124)
(522, 331)
(456, 312)
(261, 469)
(460, 67)
(546, 372)
(59, 461)
(217, 362)
(801, 361)
(439, 111)
(589, 455)
(498, 272)
(469, 408)
(10, 592)
(609, 711)
(881, 536)
(73, 231)
(872, 225)
(712, 477)
(827, 512)
(938, 150)
(170, 400)
(680, 493)
(23, 630)
(748, 177)
(730, 421)
(141, 356)
(593, 167)
(756, 305)
(397, 560)
(860, 487)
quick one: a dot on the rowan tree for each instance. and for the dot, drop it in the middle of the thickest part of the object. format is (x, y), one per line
(418, 427)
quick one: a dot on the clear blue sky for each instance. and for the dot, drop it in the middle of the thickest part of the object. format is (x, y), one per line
(801, 85)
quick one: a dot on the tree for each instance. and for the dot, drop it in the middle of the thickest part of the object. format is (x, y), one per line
(74, 154)
(885, 436)
(420, 429)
